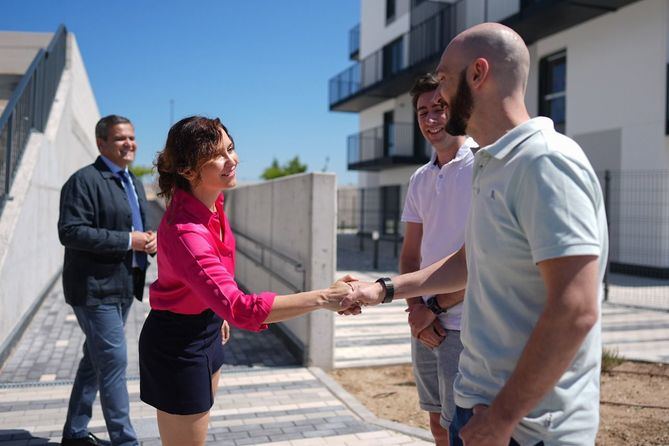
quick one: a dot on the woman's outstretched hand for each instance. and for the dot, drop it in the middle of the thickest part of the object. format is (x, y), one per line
(364, 293)
(340, 291)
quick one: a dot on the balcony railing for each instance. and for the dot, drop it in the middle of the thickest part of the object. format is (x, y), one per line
(424, 42)
(428, 40)
(354, 42)
(390, 144)
(345, 84)
(419, 49)
(380, 65)
(29, 106)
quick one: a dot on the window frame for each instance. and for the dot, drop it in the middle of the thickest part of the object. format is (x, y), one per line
(391, 18)
(392, 58)
(546, 95)
(666, 112)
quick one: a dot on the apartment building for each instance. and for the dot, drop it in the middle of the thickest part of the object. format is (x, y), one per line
(599, 70)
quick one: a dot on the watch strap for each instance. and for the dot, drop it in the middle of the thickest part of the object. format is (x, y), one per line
(389, 288)
(433, 304)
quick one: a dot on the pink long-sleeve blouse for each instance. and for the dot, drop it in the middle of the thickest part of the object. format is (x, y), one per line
(196, 264)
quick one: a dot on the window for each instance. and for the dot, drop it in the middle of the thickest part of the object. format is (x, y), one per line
(553, 89)
(528, 3)
(422, 150)
(390, 210)
(393, 57)
(388, 133)
(390, 10)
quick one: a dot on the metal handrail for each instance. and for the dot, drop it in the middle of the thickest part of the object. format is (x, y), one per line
(61, 32)
(29, 106)
(18, 91)
(299, 267)
(29, 74)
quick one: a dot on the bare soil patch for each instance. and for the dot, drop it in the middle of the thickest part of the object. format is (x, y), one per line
(634, 400)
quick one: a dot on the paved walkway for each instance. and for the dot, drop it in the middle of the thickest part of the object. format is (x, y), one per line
(379, 336)
(264, 397)
(635, 323)
(636, 333)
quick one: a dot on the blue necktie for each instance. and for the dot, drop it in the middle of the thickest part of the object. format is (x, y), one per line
(140, 257)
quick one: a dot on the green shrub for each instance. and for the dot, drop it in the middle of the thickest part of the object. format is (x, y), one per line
(611, 359)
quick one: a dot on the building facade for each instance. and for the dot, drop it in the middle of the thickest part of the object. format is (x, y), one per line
(599, 70)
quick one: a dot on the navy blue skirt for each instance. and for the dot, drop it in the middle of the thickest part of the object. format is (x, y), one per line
(178, 354)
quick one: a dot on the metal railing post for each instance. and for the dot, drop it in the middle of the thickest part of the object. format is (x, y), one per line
(607, 195)
(8, 157)
(362, 220)
(376, 254)
(44, 104)
(33, 105)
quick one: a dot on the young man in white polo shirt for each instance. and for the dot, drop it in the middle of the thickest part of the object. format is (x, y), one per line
(435, 213)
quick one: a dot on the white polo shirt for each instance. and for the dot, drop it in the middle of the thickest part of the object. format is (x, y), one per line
(535, 197)
(439, 199)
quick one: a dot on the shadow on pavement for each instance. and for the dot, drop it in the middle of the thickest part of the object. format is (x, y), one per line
(20, 437)
(264, 349)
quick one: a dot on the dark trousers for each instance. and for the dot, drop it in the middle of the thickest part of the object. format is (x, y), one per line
(102, 369)
(461, 418)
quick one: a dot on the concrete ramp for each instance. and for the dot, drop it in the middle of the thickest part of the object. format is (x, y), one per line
(54, 146)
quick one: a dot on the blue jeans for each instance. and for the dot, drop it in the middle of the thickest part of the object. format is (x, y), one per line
(103, 368)
(461, 418)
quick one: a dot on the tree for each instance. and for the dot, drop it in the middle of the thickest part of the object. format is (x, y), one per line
(290, 168)
(273, 171)
(139, 171)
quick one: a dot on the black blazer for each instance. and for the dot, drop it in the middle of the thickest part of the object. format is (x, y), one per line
(95, 219)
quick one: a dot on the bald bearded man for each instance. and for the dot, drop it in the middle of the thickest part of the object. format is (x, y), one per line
(534, 258)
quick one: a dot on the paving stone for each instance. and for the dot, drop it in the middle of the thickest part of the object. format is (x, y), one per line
(249, 441)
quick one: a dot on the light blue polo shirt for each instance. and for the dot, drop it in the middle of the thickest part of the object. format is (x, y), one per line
(535, 197)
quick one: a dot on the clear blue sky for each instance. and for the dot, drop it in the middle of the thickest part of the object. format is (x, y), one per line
(262, 66)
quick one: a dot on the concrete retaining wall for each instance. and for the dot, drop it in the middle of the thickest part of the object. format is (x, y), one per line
(294, 217)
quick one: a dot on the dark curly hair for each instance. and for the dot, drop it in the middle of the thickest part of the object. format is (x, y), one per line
(190, 144)
(423, 84)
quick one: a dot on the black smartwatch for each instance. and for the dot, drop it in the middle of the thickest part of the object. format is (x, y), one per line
(389, 288)
(433, 305)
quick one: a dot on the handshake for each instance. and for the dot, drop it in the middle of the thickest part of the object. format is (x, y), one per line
(348, 295)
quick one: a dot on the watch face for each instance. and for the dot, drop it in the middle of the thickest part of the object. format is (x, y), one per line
(433, 305)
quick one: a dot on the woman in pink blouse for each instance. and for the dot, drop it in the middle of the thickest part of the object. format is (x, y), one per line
(180, 347)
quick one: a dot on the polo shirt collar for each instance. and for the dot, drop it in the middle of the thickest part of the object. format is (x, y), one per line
(195, 207)
(504, 145)
(464, 152)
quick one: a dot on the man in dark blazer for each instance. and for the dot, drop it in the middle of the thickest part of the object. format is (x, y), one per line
(103, 227)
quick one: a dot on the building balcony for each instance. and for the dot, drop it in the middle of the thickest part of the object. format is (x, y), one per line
(391, 70)
(536, 19)
(354, 42)
(390, 145)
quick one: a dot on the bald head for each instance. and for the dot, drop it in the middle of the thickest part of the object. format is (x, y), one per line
(502, 47)
(482, 79)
